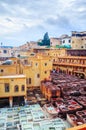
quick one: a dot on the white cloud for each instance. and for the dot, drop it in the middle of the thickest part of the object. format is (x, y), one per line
(31, 18)
(9, 26)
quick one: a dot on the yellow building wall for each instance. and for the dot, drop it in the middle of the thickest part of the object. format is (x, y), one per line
(29, 72)
(78, 43)
(23, 53)
(46, 67)
(9, 69)
(14, 59)
(37, 67)
(32, 71)
(56, 52)
(12, 82)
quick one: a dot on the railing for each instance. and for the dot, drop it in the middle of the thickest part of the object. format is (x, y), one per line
(69, 64)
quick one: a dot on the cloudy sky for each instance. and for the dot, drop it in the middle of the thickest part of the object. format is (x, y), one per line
(28, 20)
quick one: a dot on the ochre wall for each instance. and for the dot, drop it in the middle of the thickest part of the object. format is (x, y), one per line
(12, 82)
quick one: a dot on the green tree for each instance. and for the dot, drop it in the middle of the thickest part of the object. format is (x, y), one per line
(46, 40)
(40, 43)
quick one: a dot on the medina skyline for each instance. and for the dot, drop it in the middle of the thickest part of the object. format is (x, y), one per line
(25, 20)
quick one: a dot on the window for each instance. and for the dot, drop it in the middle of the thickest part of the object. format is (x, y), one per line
(45, 72)
(32, 54)
(54, 60)
(2, 70)
(16, 89)
(25, 61)
(18, 55)
(63, 41)
(4, 51)
(69, 41)
(45, 64)
(23, 88)
(38, 75)
(29, 80)
(36, 64)
(7, 89)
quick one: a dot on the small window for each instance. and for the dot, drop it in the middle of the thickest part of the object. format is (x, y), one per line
(38, 75)
(23, 88)
(16, 89)
(63, 41)
(45, 64)
(18, 55)
(45, 72)
(32, 54)
(69, 41)
(7, 88)
(2, 70)
(5, 51)
(25, 61)
(29, 80)
(36, 64)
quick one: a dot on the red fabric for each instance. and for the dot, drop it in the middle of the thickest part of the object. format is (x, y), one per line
(82, 128)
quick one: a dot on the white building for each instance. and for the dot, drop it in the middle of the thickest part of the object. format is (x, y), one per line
(6, 51)
(65, 40)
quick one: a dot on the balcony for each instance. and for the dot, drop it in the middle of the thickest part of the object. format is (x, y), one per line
(69, 64)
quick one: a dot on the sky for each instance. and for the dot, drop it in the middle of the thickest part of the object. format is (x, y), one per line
(29, 20)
